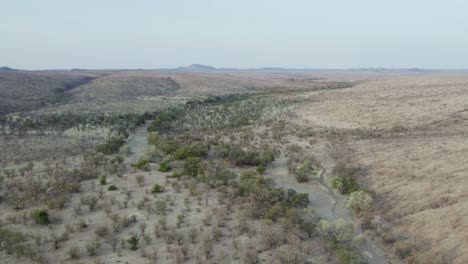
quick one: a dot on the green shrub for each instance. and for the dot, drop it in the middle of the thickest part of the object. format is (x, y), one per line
(163, 167)
(261, 169)
(303, 172)
(103, 180)
(195, 150)
(344, 185)
(251, 158)
(191, 166)
(112, 188)
(153, 138)
(119, 159)
(157, 188)
(348, 256)
(298, 200)
(198, 149)
(359, 202)
(152, 154)
(220, 177)
(175, 175)
(181, 153)
(276, 212)
(163, 121)
(133, 242)
(140, 164)
(111, 146)
(41, 217)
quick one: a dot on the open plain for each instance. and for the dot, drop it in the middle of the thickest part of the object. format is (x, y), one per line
(234, 167)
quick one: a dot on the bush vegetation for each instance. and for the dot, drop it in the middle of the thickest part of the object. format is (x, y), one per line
(103, 180)
(41, 217)
(164, 167)
(344, 185)
(157, 188)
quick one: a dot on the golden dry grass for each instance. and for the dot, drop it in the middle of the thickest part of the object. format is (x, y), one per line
(419, 172)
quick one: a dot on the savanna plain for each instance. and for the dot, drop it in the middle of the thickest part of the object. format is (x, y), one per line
(237, 166)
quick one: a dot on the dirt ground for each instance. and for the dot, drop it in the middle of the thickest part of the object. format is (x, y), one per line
(417, 165)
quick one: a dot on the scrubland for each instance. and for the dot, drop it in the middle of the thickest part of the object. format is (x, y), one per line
(236, 167)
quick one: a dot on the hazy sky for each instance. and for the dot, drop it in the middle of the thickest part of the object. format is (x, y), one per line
(51, 34)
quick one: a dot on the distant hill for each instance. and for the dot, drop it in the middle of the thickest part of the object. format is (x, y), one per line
(6, 69)
(196, 68)
(83, 90)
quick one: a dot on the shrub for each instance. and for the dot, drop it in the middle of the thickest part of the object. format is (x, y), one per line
(350, 257)
(161, 206)
(157, 188)
(219, 177)
(181, 153)
(162, 122)
(403, 250)
(111, 146)
(175, 175)
(91, 248)
(163, 167)
(41, 217)
(338, 231)
(119, 159)
(303, 172)
(191, 166)
(133, 242)
(11, 240)
(308, 227)
(298, 200)
(359, 202)
(289, 254)
(89, 200)
(140, 179)
(73, 252)
(153, 138)
(141, 164)
(152, 154)
(261, 169)
(101, 231)
(103, 180)
(112, 187)
(345, 185)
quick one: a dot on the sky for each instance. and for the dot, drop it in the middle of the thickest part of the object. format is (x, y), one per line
(316, 34)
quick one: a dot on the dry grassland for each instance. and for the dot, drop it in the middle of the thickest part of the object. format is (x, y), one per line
(417, 165)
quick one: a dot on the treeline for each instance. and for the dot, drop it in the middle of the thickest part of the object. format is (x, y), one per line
(214, 112)
(119, 125)
(60, 122)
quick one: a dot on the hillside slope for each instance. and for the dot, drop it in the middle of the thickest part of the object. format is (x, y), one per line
(25, 91)
(123, 86)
